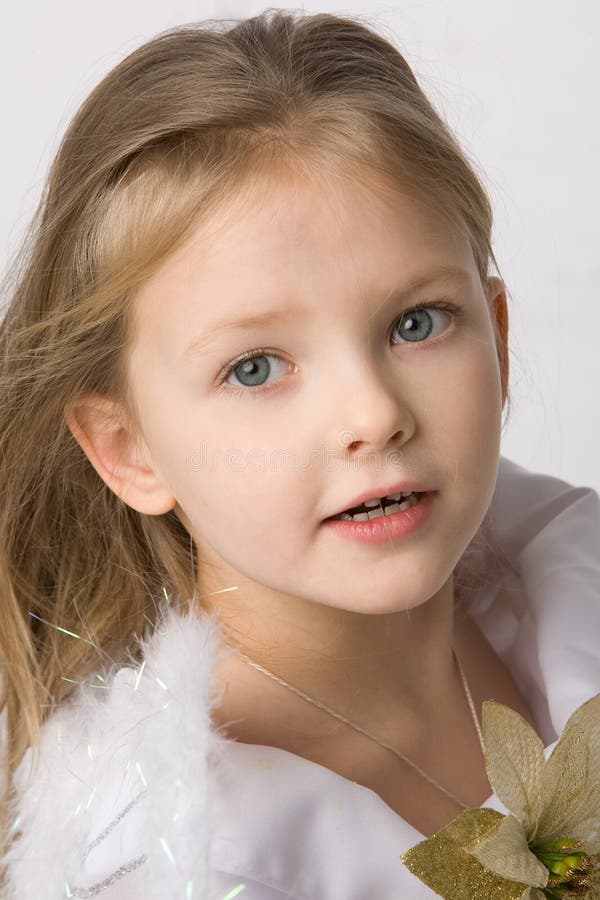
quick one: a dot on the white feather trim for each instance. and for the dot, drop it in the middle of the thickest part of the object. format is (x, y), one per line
(122, 779)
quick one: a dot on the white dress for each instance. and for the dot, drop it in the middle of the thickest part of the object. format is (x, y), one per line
(139, 798)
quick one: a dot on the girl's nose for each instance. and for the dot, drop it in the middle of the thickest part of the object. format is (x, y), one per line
(367, 412)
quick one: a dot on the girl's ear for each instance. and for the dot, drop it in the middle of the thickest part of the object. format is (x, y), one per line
(120, 458)
(499, 313)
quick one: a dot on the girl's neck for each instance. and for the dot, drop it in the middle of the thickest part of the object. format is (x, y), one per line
(368, 668)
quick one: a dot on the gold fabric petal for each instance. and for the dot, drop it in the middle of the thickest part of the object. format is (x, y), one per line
(514, 760)
(586, 718)
(563, 785)
(445, 863)
(506, 852)
(584, 824)
(569, 784)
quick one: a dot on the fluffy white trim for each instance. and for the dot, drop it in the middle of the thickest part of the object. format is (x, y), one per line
(123, 777)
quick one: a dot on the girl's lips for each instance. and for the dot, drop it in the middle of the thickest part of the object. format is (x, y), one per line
(386, 528)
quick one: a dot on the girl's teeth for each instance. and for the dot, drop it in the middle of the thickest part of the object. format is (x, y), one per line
(376, 513)
(372, 503)
(395, 507)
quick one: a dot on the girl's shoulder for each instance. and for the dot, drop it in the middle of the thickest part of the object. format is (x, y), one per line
(525, 502)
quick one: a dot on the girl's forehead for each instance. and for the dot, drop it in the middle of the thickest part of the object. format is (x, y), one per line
(266, 229)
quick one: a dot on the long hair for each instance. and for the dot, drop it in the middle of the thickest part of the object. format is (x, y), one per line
(171, 134)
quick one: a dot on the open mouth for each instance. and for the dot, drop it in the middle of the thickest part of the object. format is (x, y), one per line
(382, 506)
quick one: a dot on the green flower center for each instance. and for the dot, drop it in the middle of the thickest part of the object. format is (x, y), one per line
(569, 867)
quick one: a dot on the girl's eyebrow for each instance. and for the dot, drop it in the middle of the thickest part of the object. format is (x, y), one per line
(230, 324)
(451, 273)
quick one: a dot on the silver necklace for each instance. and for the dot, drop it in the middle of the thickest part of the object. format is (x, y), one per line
(387, 746)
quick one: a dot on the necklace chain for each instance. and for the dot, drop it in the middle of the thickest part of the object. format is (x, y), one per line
(371, 736)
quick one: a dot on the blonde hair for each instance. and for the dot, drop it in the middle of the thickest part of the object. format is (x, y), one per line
(171, 134)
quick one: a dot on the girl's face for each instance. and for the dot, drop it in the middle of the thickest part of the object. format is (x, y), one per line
(255, 459)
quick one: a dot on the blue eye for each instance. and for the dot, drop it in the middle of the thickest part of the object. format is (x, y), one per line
(415, 325)
(252, 369)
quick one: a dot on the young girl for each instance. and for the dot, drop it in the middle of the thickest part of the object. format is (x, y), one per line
(257, 296)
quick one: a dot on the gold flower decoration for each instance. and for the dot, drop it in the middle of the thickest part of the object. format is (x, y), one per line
(550, 845)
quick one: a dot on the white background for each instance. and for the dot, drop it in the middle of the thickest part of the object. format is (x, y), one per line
(518, 81)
